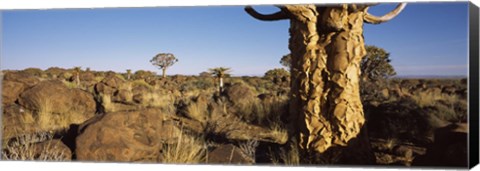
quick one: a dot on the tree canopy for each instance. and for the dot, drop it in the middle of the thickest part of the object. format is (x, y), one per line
(376, 65)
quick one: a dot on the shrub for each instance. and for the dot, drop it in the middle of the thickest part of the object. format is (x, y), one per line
(23, 148)
(277, 75)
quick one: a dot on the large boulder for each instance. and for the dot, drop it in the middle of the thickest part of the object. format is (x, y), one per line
(11, 91)
(60, 97)
(240, 93)
(126, 137)
(55, 105)
(15, 83)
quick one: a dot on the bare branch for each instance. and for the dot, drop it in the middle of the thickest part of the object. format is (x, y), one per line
(371, 19)
(280, 15)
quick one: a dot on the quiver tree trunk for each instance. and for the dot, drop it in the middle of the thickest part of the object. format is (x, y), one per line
(327, 45)
(220, 85)
(164, 71)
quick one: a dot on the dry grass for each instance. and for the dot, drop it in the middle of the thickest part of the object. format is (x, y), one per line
(256, 111)
(187, 150)
(290, 157)
(157, 100)
(23, 148)
(142, 82)
(279, 132)
(391, 143)
(431, 98)
(70, 84)
(198, 111)
(249, 148)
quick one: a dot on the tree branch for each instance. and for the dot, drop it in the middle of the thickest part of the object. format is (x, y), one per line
(371, 19)
(280, 15)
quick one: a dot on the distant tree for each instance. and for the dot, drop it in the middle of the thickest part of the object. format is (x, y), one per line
(129, 74)
(375, 70)
(219, 73)
(76, 74)
(277, 75)
(164, 61)
(286, 61)
(205, 74)
(375, 66)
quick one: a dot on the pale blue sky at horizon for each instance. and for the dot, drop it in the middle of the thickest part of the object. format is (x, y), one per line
(425, 39)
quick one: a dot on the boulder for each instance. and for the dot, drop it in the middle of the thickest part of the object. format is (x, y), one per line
(122, 96)
(11, 91)
(113, 81)
(239, 93)
(102, 88)
(87, 76)
(60, 105)
(60, 98)
(126, 137)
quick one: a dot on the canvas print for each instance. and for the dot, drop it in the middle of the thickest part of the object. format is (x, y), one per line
(372, 84)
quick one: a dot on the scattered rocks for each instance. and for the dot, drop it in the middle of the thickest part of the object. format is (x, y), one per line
(21, 77)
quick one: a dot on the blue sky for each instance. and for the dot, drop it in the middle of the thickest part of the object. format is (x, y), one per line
(425, 39)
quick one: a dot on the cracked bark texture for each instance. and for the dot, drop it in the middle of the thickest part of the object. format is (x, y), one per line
(327, 45)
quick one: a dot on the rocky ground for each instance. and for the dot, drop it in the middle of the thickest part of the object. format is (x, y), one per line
(61, 114)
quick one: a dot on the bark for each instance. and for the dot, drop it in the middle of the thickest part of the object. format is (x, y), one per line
(77, 79)
(327, 46)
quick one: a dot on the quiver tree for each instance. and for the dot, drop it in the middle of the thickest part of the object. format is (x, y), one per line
(326, 45)
(163, 61)
(76, 75)
(129, 74)
(219, 73)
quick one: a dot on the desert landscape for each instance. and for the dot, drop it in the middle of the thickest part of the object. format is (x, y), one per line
(142, 117)
(334, 101)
